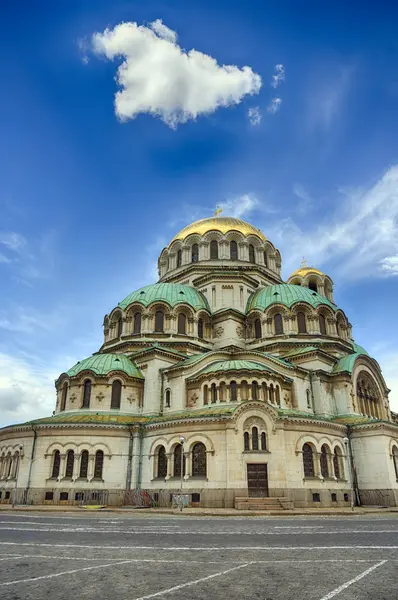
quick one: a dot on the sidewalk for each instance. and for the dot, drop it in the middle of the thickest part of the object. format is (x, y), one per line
(209, 512)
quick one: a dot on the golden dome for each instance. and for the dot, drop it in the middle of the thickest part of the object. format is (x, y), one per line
(303, 271)
(221, 224)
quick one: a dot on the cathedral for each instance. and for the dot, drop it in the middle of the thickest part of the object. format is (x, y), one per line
(220, 381)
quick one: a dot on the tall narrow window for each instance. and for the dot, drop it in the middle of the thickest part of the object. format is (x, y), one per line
(244, 390)
(116, 394)
(159, 320)
(137, 323)
(265, 259)
(234, 391)
(254, 438)
(213, 393)
(162, 462)
(70, 461)
(312, 286)
(182, 324)
(301, 322)
(271, 392)
(277, 395)
(86, 393)
(119, 327)
(309, 399)
(179, 258)
(395, 460)
(200, 328)
(213, 249)
(265, 393)
(252, 257)
(246, 441)
(278, 324)
(195, 253)
(254, 390)
(64, 394)
(98, 464)
(83, 464)
(205, 395)
(56, 464)
(199, 467)
(233, 250)
(263, 441)
(322, 324)
(257, 329)
(178, 461)
(336, 464)
(308, 461)
(168, 398)
(324, 461)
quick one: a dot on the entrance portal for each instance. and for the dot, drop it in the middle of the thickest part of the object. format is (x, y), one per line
(257, 480)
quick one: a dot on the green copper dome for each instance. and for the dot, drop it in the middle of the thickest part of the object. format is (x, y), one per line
(172, 293)
(102, 364)
(286, 294)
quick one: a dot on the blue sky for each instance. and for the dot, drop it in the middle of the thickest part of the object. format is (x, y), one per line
(93, 188)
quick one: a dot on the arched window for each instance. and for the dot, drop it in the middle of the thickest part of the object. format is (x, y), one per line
(213, 393)
(254, 390)
(265, 259)
(312, 286)
(265, 394)
(222, 391)
(119, 327)
(205, 395)
(252, 257)
(233, 250)
(177, 461)
(200, 328)
(159, 320)
(277, 395)
(137, 323)
(395, 460)
(246, 441)
(263, 441)
(278, 324)
(324, 461)
(271, 392)
(179, 258)
(234, 391)
(84, 464)
(322, 324)
(301, 322)
(56, 464)
(199, 467)
(257, 329)
(9, 465)
(254, 438)
(98, 464)
(243, 390)
(168, 398)
(195, 253)
(64, 394)
(368, 397)
(213, 249)
(182, 323)
(308, 461)
(86, 393)
(336, 463)
(116, 394)
(70, 461)
(162, 463)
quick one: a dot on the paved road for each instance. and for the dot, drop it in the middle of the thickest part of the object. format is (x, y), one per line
(112, 556)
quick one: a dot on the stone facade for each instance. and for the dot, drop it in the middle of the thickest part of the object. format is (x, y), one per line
(260, 380)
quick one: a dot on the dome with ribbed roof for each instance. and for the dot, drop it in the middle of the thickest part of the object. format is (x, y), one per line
(102, 364)
(304, 271)
(171, 293)
(286, 294)
(221, 224)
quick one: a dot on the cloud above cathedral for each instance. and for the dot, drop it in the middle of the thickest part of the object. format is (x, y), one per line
(160, 78)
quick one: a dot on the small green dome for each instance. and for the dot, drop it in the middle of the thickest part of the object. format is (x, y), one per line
(286, 294)
(172, 293)
(102, 364)
(234, 365)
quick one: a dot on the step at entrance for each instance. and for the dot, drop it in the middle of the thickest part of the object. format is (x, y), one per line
(261, 503)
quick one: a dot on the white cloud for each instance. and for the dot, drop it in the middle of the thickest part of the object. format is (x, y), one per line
(326, 97)
(305, 199)
(160, 78)
(254, 115)
(279, 76)
(4, 259)
(12, 240)
(240, 206)
(361, 232)
(274, 106)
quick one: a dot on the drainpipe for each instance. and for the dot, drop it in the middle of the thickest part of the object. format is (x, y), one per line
(32, 456)
(139, 475)
(129, 461)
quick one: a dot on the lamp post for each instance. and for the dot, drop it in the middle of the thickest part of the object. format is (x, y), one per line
(182, 440)
(350, 477)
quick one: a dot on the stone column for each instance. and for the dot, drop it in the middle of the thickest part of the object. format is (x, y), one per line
(90, 469)
(203, 251)
(188, 465)
(76, 467)
(169, 457)
(136, 460)
(62, 466)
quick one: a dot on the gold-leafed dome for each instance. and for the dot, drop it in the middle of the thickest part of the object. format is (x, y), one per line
(221, 224)
(304, 270)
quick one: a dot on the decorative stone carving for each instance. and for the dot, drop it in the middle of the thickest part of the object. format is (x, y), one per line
(240, 332)
(72, 398)
(131, 398)
(218, 331)
(100, 397)
(192, 400)
(254, 422)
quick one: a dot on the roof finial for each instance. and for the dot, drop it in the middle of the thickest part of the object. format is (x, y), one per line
(303, 263)
(217, 211)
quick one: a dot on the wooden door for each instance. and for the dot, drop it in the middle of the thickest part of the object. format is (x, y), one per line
(257, 480)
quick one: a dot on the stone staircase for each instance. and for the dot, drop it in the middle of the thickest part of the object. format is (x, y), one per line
(246, 503)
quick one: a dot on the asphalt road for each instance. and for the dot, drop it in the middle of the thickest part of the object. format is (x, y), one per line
(108, 556)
